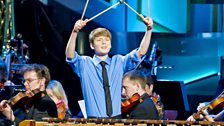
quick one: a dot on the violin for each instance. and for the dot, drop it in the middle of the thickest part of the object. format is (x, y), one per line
(22, 97)
(155, 98)
(213, 106)
(61, 108)
(130, 103)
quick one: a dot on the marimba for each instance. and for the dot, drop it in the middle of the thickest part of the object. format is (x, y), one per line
(115, 122)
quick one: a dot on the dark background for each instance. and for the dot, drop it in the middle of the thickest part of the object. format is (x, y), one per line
(47, 45)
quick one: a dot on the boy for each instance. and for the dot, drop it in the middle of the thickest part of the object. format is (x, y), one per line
(90, 70)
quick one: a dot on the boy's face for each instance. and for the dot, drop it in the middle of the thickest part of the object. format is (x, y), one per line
(101, 45)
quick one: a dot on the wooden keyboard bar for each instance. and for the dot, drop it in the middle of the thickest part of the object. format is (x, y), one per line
(115, 122)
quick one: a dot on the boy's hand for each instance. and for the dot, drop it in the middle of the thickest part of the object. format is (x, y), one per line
(148, 22)
(79, 25)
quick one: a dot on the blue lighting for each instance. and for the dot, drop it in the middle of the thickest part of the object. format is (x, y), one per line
(206, 35)
(204, 75)
(168, 15)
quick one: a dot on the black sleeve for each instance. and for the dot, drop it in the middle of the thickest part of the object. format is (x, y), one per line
(145, 110)
(48, 105)
(20, 115)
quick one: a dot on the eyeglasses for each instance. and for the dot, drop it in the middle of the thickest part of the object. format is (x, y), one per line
(28, 81)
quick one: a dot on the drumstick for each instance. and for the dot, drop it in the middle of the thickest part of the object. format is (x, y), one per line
(84, 11)
(141, 16)
(103, 11)
(148, 8)
(149, 12)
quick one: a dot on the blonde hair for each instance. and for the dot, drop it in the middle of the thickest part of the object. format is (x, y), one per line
(58, 90)
(99, 32)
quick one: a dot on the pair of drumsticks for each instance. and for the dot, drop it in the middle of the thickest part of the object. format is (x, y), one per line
(119, 2)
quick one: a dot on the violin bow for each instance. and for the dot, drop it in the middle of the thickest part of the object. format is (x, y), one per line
(220, 94)
(148, 8)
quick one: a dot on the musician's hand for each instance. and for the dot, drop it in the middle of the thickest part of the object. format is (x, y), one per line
(2, 105)
(79, 25)
(203, 110)
(200, 106)
(191, 118)
(6, 110)
(148, 22)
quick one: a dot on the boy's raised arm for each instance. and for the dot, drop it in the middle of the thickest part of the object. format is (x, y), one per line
(143, 48)
(70, 48)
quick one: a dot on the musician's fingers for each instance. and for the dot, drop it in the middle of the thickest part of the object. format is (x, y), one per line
(205, 112)
(199, 108)
(86, 20)
(201, 104)
(190, 118)
(79, 25)
(148, 21)
(2, 103)
(7, 111)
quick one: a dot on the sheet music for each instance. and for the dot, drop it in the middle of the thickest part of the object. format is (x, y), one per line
(83, 108)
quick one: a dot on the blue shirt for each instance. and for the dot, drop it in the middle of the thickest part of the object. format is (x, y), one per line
(90, 72)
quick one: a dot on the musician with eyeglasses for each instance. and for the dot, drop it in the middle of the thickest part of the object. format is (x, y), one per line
(34, 103)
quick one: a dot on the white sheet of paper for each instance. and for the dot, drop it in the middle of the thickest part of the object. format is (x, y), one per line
(83, 108)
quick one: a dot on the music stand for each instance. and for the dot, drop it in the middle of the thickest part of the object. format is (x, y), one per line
(172, 94)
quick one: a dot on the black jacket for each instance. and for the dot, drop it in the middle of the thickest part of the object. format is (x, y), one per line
(41, 106)
(146, 109)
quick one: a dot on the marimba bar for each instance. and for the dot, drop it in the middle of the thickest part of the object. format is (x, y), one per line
(115, 122)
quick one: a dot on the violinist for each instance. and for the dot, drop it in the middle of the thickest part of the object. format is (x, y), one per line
(3, 80)
(155, 97)
(203, 115)
(210, 111)
(57, 93)
(3, 93)
(134, 83)
(206, 116)
(36, 78)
